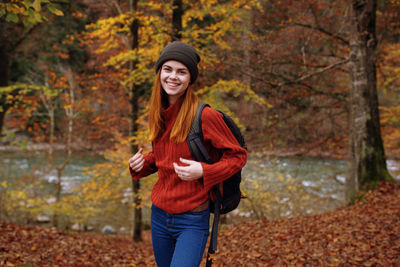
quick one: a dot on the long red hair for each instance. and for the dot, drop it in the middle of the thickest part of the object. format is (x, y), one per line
(185, 116)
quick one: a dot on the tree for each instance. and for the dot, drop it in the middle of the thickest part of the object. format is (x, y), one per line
(50, 99)
(134, 95)
(295, 56)
(367, 156)
(18, 19)
(388, 66)
(177, 12)
(57, 86)
(129, 62)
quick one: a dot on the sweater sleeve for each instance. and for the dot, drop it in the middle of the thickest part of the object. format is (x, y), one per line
(148, 168)
(218, 135)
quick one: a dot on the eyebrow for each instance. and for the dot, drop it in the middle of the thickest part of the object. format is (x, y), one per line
(166, 65)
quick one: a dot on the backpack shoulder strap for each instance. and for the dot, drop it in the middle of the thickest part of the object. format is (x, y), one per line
(195, 137)
(196, 125)
(199, 152)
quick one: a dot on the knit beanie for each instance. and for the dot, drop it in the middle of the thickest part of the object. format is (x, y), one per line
(182, 52)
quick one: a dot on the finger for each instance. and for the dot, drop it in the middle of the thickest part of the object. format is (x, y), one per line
(132, 159)
(185, 178)
(181, 169)
(177, 168)
(187, 161)
(181, 172)
(139, 153)
(182, 176)
(136, 160)
(135, 157)
(137, 168)
(137, 163)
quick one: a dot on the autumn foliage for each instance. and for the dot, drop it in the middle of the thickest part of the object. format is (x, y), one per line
(364, 234)
(279, 67)
(292, 55)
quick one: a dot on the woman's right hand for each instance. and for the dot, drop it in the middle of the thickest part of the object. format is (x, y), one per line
(136, 162)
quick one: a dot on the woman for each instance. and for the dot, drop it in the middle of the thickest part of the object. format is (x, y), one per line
(180, 212)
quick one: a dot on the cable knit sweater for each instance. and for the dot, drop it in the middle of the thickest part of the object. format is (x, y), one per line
(174, 195)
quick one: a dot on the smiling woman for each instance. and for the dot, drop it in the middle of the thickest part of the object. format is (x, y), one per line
(180, 212)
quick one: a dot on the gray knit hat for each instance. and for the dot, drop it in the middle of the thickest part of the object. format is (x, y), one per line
(182, 52)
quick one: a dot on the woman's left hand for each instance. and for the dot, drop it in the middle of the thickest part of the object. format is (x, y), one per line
(192, 171)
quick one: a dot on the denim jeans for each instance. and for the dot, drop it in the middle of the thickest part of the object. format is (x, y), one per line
(179, 240)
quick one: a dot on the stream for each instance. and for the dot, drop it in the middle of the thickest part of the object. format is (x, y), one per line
(276, 187)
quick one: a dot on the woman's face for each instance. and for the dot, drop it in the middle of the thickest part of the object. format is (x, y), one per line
(175, 79)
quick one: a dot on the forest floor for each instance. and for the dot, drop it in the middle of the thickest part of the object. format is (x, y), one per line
(364, 234)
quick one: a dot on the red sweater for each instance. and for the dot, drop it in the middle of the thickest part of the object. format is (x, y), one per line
(174, 195)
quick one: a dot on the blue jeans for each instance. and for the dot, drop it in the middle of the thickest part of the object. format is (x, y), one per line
(179, 239)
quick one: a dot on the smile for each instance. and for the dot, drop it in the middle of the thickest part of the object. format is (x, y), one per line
(172, 84)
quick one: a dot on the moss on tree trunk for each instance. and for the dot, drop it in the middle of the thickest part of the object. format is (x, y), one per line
(367, 157)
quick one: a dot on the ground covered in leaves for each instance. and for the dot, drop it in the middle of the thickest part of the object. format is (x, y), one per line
(365, 234)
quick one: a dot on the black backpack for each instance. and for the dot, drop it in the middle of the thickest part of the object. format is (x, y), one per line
(231, 187)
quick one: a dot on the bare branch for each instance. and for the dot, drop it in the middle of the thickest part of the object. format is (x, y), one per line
(23, 37)
(332, 66)
(320, 29)
(116, 5)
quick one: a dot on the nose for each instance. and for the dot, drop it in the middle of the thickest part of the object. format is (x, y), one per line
(173, 75)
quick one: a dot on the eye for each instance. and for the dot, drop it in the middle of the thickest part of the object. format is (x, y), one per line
(166, 68)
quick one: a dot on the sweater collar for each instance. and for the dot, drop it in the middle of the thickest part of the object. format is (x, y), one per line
(171, 112)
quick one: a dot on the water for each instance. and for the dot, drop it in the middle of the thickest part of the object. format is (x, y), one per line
(276, 187)
(291, 186)
(15, 164)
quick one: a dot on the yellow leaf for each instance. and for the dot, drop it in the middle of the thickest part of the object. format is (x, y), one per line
(58, 12)
(36, 5)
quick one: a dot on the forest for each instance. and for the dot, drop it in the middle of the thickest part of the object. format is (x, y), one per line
(310, 82)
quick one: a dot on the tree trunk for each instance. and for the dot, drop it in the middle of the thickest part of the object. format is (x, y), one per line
(367, 157)
(177, 13)
(3, 111)
(11, 36)
(134, 100)
(4, 79)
